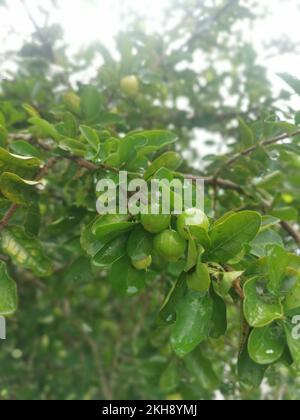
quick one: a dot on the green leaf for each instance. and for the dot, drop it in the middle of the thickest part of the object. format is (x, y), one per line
(68, 223)
(271, 180)
(8, 292)
(129, 146)
(193, 317)
(277, 260)
(18, 190)
(72, 102)
(201, 370)
(192, 255)
(23, 166)
(70, 125)
(282, 126)
(31, 111)
(223, 218)
(229, 237)
(170, 377)
(292, 81)
(285, 213)
(292, 300)
(268, 222)
(294, 263)
(109, 118)
(140, 244)
(10, 114)
(169, 160)
(23, 148)
(218, 326)
(223, 287)
(33, 219)
(75, 147)
(90, 103)
(46, 129)
(3, 136)
(91, 137)
(111, 252)
(250, 374)
(260, 307)
(200, 280)
(79, 272)
(157, 140)
(25, 251)
(125, 280)
(293, 340)
(201, 236)
(88, 241)
(108, 227)
(167, 314)
(263, 239)
(246, 133)
(266, 345)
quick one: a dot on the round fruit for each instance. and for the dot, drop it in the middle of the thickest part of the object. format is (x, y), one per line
(130, 85)
(155, 223)
(192, 217)
(169, 245)
(142, 264)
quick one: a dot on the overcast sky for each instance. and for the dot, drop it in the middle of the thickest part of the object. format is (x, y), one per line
(88, 20)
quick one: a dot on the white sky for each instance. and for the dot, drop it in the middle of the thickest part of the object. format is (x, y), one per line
(89, 20)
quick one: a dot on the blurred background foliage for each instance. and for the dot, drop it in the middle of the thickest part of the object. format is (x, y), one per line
(72, 338)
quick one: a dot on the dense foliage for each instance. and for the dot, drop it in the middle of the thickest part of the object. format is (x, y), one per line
(149, 307)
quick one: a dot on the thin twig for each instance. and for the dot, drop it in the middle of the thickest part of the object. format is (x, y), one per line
(247, 152)
(291, 231)
(34, 23)
(210, 180)
(92, 166)
(289, 228)
(238, 288)
(9, 214)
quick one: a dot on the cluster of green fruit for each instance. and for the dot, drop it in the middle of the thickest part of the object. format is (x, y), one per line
(170, 244)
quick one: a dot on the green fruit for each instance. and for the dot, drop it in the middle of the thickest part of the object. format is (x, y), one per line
(192, 217)
(142, 264)
(155, 223)
(130, 86)
(169, 245)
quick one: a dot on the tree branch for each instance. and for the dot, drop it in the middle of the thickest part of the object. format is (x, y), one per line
(291, 231)
(92, 166)
(224, 183)
(211, 180)
(9, 214)
(34, 23)
(252, 149)
(210, 21)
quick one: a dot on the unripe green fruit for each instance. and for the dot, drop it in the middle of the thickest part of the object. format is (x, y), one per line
(130, 86)
(142, 264)
(192, 217)
(169, 245)
(155, 223)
